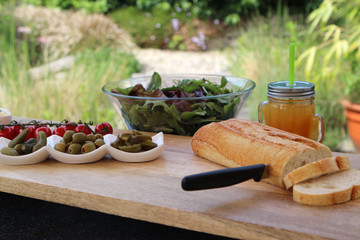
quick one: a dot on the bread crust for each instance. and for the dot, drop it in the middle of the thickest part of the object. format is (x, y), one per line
(240, 142)
(316, 169)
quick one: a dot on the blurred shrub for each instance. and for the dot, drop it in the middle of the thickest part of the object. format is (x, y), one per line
(61, 32)
(231, 11)
(335, 36)
(90, 6)
(165, 29)
(147, 28)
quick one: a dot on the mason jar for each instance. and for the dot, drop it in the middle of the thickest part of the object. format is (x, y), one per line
(291, 108)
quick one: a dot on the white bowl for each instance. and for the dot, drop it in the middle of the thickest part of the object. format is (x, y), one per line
(96, 155)
(5, 116)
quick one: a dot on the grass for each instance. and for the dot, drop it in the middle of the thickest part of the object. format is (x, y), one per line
(261, 54)
(74, 94)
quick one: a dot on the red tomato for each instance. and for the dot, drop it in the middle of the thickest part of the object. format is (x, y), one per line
(31, 132)
(16, 130)
(104, 128)
(71, 126)
(83, 128)
(46, 130)
(38, 125)
(60, 131)
(7, 132)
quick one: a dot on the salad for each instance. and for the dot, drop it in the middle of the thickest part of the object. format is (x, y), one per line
(180, 109)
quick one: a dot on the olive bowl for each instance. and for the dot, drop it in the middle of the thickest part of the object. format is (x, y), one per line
(172, 111)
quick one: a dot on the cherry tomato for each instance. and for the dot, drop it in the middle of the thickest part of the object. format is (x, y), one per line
(60, 131)
(16, 130)
(31, 132)
(104, 128)
(71, 126)
(38, 125)
(46, 130)
(82, 128)
(7, 132)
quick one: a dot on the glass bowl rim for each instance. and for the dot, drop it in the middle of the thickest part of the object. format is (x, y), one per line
(247, 90)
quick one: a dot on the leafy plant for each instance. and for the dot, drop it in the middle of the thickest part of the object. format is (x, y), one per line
(176, 42)
(147, 28)
(229, 11)
(90, 6)
(335, 28)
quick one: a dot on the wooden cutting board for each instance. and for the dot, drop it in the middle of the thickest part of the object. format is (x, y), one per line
(152, 192)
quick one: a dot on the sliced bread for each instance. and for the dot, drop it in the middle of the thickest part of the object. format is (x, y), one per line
(329, 189)
(316, 169)
(240, 142)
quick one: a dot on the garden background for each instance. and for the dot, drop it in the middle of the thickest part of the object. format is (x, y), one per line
(56, 55)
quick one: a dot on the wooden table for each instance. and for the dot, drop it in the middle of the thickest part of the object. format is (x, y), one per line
(152, 192)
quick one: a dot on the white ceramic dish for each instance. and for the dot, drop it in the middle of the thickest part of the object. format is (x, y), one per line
(5, 116)
(96, 155)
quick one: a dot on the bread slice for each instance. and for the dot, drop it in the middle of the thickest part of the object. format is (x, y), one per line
(240, 142)
(316, 169)
(329, 189)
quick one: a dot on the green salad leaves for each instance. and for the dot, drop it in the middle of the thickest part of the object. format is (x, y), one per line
(172, 113)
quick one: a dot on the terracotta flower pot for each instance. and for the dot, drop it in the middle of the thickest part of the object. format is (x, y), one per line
(352, 113)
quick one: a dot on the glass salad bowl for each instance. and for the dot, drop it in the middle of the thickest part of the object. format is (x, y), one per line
(177, 104)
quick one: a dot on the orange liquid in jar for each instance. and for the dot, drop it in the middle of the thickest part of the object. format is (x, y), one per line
(296, 116)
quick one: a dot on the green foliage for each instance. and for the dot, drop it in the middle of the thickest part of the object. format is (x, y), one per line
(90, 6)
(335, 33)
(146, 28)
(74, 94)
(232, 10)
(176, 42)
(22, 42)
(232, 19)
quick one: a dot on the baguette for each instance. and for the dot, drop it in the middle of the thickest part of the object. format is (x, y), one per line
(329, 189)
(240, 142)
(316, 169)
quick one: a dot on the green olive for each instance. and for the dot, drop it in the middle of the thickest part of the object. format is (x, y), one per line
(74, 148)
(88, 147)
(60, 146)
(79, 137)
(98, 135)
(91, 137)
(68, 135)
(99, 142)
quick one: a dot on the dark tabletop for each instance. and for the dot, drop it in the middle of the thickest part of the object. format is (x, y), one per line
(27, 218)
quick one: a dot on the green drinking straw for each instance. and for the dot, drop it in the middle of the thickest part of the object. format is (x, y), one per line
(291, 63)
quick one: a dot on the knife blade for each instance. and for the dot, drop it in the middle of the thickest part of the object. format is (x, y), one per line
(224, 177)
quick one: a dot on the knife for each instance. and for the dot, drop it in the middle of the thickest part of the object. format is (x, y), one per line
(224, 177)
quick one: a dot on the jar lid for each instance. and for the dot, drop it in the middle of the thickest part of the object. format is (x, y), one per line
(283, 89)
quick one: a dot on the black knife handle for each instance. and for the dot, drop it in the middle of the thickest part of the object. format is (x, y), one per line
(223, 177)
